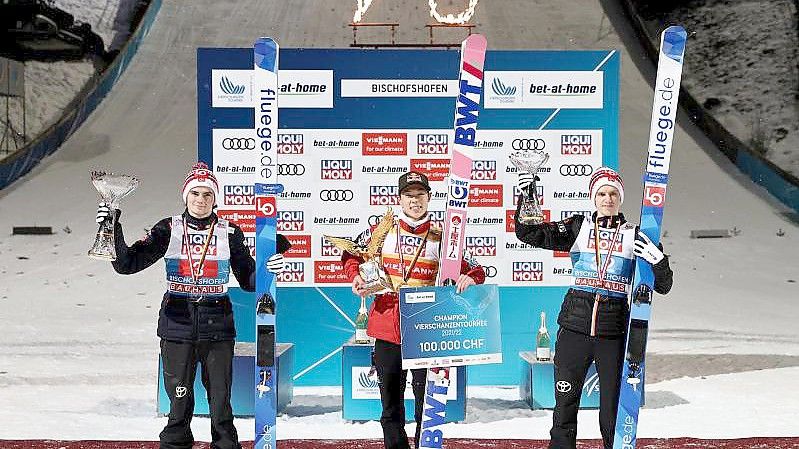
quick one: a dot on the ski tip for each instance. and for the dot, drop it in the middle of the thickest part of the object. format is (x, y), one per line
(476, 41)
(265, 49)
(672, 43)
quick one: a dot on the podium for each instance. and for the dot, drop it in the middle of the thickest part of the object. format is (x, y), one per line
(361, 395)
(242, 395)
(537, 384)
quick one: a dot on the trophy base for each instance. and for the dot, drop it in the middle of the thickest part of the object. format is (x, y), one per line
(531, 220)
(102, 256)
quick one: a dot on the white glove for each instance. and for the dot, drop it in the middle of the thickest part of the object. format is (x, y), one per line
(103, 213)
(645, 249)
(276, 264)
(526, 179)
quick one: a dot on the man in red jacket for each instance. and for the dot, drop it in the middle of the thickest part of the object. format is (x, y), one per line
(410, 256)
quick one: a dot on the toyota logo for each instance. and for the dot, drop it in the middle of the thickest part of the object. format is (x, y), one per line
(336, 195)
(576, 169)
(563, 387)
(180, 391)
(528, 144)
(231, 143)
(490, 271)
(290, 169)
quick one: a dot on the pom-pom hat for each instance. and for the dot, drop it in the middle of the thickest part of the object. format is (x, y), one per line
(200, 176)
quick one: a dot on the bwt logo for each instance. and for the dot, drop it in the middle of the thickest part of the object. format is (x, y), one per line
(329, 249)
(290, 144)
(432, 144)
(482, 246)
(575, 144)
(435, 169)
(605, 240)
(539, 190)
(499, 88)
(290, 221)
(437, 218)
(564, 214)
(528, 271)
(336, 169)
(238, 195)
(229, 88)
(484, 171)
(292, 272)
(409, 244)
(383, 195)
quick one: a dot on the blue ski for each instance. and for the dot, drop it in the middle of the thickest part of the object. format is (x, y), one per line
(656, 177)
(265, 102)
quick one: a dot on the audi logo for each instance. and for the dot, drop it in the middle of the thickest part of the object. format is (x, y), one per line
(563, 387)
(528, 144)
(336, 195)
(373, 220)
(576, 169)
(290, 169)
(232, 143)
(490, 271)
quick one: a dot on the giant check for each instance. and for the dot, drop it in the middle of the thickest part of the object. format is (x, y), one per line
(442, 328)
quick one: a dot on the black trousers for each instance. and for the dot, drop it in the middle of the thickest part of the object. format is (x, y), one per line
(387, 358)
(574, 353)
(180, 366)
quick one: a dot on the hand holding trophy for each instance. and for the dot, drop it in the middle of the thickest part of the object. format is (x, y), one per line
(112, 188)
(371, 271)
(529, 161)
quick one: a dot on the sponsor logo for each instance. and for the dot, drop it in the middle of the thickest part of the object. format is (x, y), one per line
(560, 254)
(435, 169)
(336, 169)
(383, 195)
(245, 220)
(290, 169)
(293, 272)
(490, 270)
(365, 383)
(576, 169)
(195, 243)
(300, 246)
(432, 144)
(575, 144)
(564, 214)
(181, 391)
(485, 195)
(510, 215)
(408, 244)
(499, 88)
(528, 144)
(331, 250)
(591, 385)
(563, 386)
(384, 144)
(484, 171)
(238, 143)
(231, 88)
(329, 271)
(238, 195)
(539, 190)
(290, 144)
(437, 218)
(306, 89)
(562, 271)
(336, 195)
(605, 240)
(654, 196)
(482, 246)
(265, 206)
(528, 271)
(291, 221)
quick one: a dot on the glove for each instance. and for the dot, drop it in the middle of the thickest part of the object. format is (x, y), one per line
(526, 180)
(276, 264)
(645, 249)
(103, 213)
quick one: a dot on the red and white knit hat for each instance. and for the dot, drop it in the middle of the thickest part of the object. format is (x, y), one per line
(200, 176)
(606, 176)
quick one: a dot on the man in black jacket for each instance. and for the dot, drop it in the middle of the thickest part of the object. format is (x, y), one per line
(593, 317)
(195, 322)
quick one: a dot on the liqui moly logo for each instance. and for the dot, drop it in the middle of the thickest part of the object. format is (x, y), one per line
(329, 272)
(293, 272)
(485, 195)
(291, 221)
(238, 195)
(437, 218)
(528, 271)
(564, 214)
(434, 169)
(482, 246)
(194, 244)
(575, 144)
(336, 169)
(409, 244)
(249, 242)
(433, 144)
(384, 144)
(383, 195)
(329, 249)
(290, 144)
(300, 246)
(539, 190)
(484, 171)
(605, 240)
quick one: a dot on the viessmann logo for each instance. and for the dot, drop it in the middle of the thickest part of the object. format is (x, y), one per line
(434, 169)
(328, 271)
(384, 144)
(300, 246)
(383, 195)
(528, 271)
(290, 144)
(238, 195)
(245, 220)
(432, 144)
(336, 169)
(291, 221)
(485, 195)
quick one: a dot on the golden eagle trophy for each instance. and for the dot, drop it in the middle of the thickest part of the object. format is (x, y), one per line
(371, 271)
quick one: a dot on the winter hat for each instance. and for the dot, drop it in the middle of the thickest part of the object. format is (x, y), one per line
(606, 176)
(200, 176)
